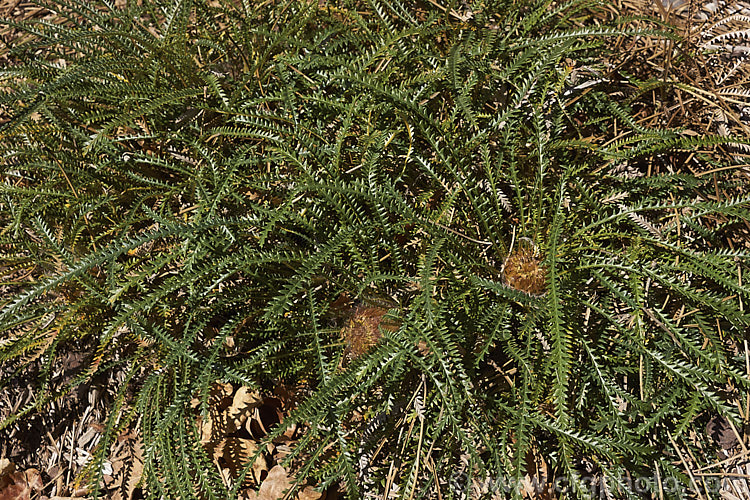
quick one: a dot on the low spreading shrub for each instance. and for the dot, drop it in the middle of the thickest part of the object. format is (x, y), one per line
(441, 225)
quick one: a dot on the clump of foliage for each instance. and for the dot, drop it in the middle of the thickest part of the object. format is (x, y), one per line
(179, 173)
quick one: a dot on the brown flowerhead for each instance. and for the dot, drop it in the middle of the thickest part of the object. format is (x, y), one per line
(363, 330)
(523, 269)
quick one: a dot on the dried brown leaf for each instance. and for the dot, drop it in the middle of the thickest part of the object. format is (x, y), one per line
(19, 485)
(244, 402)
(273, 487)
(309, 493)
(238, 451)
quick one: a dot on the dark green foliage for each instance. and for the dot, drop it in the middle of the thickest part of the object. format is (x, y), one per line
(196, 171)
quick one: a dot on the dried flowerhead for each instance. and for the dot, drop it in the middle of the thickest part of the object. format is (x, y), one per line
(363, 330)
(523, 269)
